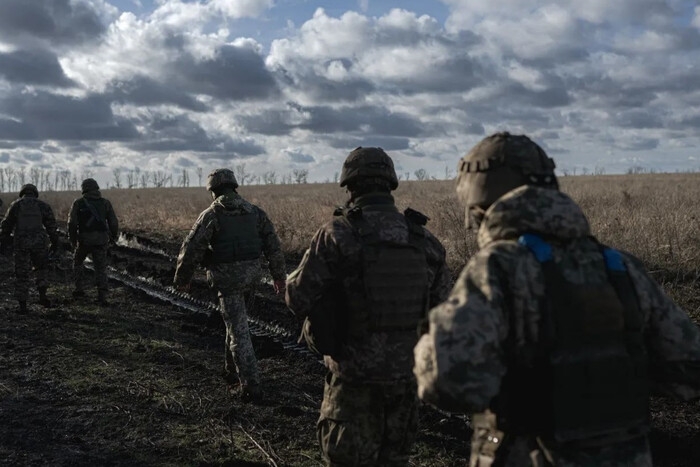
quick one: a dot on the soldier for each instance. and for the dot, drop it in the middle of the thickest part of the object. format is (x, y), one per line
(232, 234)
(370, 274)
(549, 338)
(34, 226)
(92, 224)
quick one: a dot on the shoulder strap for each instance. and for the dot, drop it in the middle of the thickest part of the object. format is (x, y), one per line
(96, 216)
(540, 248)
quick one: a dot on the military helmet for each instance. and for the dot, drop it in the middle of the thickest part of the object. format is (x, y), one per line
(500, 163)
(89, 184)
(28, 189)
(368, 163)
(221, 177)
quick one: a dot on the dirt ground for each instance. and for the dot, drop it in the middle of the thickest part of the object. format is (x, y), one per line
(139, 383)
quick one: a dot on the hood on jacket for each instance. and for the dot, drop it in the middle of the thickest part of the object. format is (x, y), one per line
(92, 194)
(231, 202)
(530, 209)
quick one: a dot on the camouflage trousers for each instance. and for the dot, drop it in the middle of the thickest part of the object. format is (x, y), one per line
(24, 260)
(98, 254)
(240, 356)
(367, 424)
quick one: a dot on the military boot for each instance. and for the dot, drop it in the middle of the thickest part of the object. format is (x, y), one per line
(43, 299)
(22, 308)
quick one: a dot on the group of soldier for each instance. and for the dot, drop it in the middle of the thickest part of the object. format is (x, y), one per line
(551, 341)
(29, 226)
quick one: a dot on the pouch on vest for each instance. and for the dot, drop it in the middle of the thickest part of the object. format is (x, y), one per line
(237, 239)
(587, 382)
(90, 219)
(325, 329)
(29, 217)
(394, 278)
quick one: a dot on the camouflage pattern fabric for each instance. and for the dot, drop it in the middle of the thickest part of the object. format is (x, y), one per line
(335, 249)
(460, 363)
(30, 244)
(98, 254)
(198, 241)
(367, 424)
(368, 415)
(233, 281)
(104, 208)
(24, 260)
(240, 356)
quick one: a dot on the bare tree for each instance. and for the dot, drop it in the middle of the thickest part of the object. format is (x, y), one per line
(159, 178)
(335, 177)
(300, 175)
(117, 177)
(421, 174)
(130, 179)
(242, 175)
(408, 175)
(269, 177)
(145, 176)
(200, 174)
(22, 176)
(184, 180)
(448, 172)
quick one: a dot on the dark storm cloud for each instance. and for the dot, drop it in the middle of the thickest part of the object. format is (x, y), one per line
(7, 144)
(144, 91)
(43, 115)
(388, 143)
(636, 144)
(33, 67)
(180, 133)
(54, 21)
(638, 119)
(300, 158)
(326, 119)
(4, 157)
(362, 119)
(234, 73)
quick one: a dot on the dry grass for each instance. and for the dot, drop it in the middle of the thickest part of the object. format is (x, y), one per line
(655, 217)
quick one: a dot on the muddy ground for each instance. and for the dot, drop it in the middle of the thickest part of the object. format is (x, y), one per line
(139, 383)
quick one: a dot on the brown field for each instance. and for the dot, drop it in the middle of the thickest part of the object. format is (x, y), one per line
(138, 384)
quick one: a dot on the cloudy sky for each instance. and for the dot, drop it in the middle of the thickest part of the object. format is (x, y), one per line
(285, 84)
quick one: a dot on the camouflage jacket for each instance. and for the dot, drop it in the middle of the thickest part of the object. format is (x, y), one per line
(229, 276)
(335, 250)
(104, 208)
(460, 363)
(36, 236)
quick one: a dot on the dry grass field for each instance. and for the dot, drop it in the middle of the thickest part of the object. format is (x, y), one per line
(138, 383)
(655, 217)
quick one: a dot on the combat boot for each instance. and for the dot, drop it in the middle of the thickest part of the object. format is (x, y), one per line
(43, 299)
(22, 310)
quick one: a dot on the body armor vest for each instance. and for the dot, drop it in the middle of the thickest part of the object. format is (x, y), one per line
(394, 291)
(92, 216)
(237, 239)
(585, 382)
(29, 217)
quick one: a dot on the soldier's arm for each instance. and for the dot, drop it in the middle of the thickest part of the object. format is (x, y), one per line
(73, 223)
(9, 222)
(316, 272)
(49, 221)
(112, 221)
(271, 246)
(459, 363)
(194, 247)
(673, 339)
(441, 280)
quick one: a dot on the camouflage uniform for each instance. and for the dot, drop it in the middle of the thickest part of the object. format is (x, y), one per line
(494, 314)
(92, 224)
(369, 409)
(235, 281)
(34, 225)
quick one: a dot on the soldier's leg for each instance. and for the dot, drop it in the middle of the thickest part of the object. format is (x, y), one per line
(401, 423)
(79, 256)
(40, 260)
(23, 267)
(99, 260)
(238, 340)
(351, 424)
